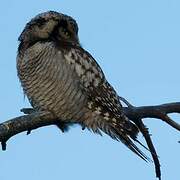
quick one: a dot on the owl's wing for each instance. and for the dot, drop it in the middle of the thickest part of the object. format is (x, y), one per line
(103, 98)
(93, 81)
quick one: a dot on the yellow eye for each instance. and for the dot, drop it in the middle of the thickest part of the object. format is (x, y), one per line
(67, 33)
(64, 32)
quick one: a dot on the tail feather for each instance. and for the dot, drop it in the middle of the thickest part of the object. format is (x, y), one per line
(124, 132)
(124, 138)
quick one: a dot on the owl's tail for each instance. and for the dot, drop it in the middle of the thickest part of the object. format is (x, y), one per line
(122, 130)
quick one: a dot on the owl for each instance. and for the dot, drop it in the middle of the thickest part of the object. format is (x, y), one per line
(60, 77)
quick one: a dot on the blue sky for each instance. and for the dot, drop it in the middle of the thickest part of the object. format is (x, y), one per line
(137, 43)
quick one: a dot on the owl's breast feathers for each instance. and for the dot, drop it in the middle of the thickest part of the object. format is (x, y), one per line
(70, 83)
(49, 81)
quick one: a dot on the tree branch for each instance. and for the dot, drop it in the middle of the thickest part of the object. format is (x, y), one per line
(158, 112)
(34, 120)
(23, 123)
(136, 114)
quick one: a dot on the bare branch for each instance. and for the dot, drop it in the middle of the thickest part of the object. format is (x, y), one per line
(137, 114)
(23, 123)
(158, 112)
(151, 147)
(34, 120)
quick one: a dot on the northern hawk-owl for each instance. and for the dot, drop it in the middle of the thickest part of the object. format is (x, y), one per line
(60, 77)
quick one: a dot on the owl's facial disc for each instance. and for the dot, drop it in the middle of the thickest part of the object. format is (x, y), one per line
(50, 26)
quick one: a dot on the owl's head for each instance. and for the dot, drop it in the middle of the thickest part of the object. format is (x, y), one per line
(50, 26)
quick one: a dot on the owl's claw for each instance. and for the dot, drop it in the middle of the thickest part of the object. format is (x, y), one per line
(62, 126)
(28, 132)
(83, 128)
(27, 110)
(3, 144)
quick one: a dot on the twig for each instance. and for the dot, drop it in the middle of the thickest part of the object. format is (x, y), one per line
(151, 147)
(125, 101)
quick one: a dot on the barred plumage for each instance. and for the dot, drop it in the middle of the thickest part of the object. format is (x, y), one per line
(59, 76)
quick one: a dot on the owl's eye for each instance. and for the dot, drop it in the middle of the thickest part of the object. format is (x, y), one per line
(64, 32)
(63, 29)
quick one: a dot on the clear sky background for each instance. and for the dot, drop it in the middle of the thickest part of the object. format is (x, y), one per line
(137, 43)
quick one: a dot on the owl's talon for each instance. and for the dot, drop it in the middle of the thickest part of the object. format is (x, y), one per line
(83, 128)
(62, 126)
(28, 132)
(4, 145)
(27, 110)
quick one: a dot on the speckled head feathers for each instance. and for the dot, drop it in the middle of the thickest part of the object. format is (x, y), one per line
(36, 27)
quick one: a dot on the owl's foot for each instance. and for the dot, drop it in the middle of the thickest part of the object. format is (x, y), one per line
(3, 144)
(28, 132)
(83, 127)
(27, 110)
(64, 127)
